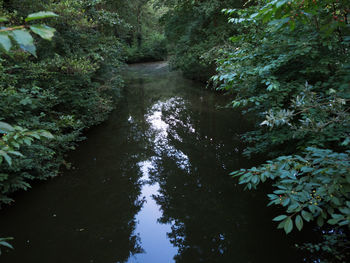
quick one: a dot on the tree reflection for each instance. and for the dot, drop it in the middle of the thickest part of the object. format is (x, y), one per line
(195, 148)
(88, 215)
(189, 148)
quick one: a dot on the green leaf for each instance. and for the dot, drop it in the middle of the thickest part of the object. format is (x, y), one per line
(235, 38)
(26, 101)
(344, 223)
(306, 215)
(280, 3)
(320, 221)
(3, 177)
(43, 31)
(5, 42)
(336, 201)
(6, 157)
(28, 141)
(333, 221)
(46, 134)
(34, 135)
(279, 218)
(16, 153)
(255, 179)
(293, 208)
(40, 15)
(3, 19)
(281, 225)
(288, 225)
(5, 127)
(286, 202)
(299, 222)
(345, 210)
(24, 40)
(5, 244)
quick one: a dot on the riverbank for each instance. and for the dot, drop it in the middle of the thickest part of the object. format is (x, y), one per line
(151, 185)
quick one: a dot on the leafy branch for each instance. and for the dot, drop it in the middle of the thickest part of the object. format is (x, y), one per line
(21, 35)
(313, 187)
(13, 137)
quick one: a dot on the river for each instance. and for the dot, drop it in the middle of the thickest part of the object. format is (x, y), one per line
(151, 185)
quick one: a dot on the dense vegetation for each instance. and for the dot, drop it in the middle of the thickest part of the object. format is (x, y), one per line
(59, 73)
(150, 43)
(63, 86)
(196, 32)
(290, 64)
(285, 61)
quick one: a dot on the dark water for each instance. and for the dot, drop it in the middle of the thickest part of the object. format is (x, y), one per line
(151, 185)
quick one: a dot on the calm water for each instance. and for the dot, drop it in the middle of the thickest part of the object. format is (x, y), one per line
(151, 185)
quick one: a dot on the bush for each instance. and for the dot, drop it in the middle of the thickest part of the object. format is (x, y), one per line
(290, 65)
(152, 49)
(65, 90)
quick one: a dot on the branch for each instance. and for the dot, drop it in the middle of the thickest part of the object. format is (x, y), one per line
(12, 28)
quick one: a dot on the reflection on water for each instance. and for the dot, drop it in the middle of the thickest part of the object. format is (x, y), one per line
(156, 247)
(159, 130)
(151, 185)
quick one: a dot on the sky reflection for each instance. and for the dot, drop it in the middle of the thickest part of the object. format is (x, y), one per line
(153, 235)
(159, 130)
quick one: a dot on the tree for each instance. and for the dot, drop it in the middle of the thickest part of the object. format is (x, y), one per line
(13, 137)
(290, 64)
(196, 32)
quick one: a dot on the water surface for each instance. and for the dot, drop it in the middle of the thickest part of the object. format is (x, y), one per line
(151, 185)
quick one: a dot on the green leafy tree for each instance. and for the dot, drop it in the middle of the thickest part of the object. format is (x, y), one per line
(289, 63)
(13, 137)
(62, 86)
(197, 32)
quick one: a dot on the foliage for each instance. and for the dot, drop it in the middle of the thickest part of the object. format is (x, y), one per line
(290, 72)
(313, 187)
(69, 86)
(196, 32)
(12, 140)
(289, 63)
(153, 49)
(333, 246)
(20, 35)
(14, 137)
(148, 42)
